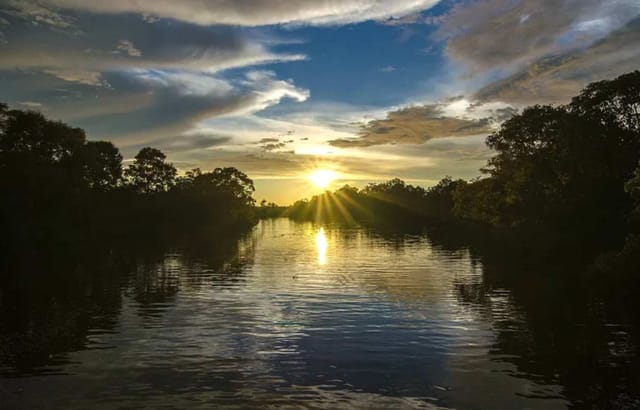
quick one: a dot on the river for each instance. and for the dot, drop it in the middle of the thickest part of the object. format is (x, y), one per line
(310, 316)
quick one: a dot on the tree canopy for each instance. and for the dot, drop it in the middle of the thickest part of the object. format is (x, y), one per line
(60, 188)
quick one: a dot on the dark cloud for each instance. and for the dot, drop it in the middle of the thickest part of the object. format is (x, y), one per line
(268, 140)
(183, 143)
(503, 114)
(273, 146)
(414, 125)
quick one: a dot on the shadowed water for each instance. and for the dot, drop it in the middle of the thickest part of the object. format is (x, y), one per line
(318, 317)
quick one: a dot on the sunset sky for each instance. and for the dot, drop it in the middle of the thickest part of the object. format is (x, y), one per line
(366, 90)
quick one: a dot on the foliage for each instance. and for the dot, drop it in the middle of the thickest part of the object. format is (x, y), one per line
(222, 198)
(60, 190)
(102, 165)
(563, 167)
(149, 173)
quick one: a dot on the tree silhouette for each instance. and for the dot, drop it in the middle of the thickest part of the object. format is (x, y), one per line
(102, 165)
(563, 168)
(149, 173)
(30, 135)
(60, 191)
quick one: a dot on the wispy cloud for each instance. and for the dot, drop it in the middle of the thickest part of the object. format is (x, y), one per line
(138, 45)
(254, 13)
(174, 109)
(556, 78)
(31, 104)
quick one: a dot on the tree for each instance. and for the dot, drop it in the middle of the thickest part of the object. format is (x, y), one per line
(29, 134)
(235, 182)
(563, 167)
(439, 200)
(230, 181)
(633, 188)
(101, 165)
(613, 102)
(149, 173)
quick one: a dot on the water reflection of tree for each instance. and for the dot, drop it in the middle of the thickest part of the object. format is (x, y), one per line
(555, 325)
(52, 306)
(49, 309)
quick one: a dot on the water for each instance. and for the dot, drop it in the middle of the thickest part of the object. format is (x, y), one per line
(304, 316)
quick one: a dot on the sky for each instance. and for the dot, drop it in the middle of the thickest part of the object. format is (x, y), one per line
(367, 89)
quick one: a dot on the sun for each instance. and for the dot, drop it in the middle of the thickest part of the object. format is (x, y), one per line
(322, 178)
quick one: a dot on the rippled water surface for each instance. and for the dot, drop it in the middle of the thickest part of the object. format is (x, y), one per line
(308, 316)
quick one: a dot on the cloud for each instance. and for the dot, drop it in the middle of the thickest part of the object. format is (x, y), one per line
(178, 102)
(415, 18)
(31, 104)
(556, 78)
(148, 105)
(87, 52)
(36, 13)
(185, 143)
(268, 90)
(127, 47)
(501, 34)
(388, 69)
(75, 75)
(414, 125)
(251, 13)
(273, 146)
(258, 165)
(120, 77)
(268, 140)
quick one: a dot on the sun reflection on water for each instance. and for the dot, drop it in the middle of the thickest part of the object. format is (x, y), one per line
(321, 245)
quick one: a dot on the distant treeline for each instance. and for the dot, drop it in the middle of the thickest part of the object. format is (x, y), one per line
(270, 210)
(569, 171)
(60, 190)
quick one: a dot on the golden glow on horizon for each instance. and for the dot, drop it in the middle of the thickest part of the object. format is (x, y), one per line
(321, 246)
(322, 178)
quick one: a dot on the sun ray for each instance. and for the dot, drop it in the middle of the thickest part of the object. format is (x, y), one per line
(336, 201)
(355, 204)
(319, 209)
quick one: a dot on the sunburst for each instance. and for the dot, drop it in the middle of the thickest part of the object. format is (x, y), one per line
(322, 178)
